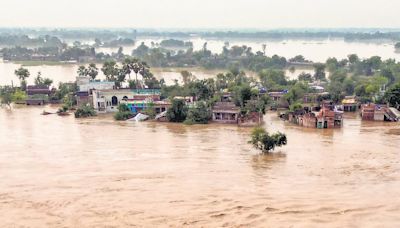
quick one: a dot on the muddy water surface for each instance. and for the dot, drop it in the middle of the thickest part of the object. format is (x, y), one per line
(62, 172)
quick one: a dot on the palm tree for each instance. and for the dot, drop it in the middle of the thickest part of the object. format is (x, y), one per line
(127, 66)
(82, 71)
(22, 73)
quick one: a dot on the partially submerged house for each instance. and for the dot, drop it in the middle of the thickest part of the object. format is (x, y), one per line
(86, 87)
(324, 116)
(251, 119)
(278, 98)
(136, 99)
(37, 94)
(350, 104)
(225, 112)
(379, 112)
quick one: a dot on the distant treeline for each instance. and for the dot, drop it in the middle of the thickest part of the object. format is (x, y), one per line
(106, 35)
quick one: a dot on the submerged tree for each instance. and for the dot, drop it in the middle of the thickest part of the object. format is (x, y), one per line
(261, 140)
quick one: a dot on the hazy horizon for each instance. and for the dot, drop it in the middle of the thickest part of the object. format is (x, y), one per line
(207, 14)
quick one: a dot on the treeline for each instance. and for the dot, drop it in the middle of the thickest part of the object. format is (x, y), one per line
(109, 34)
(26, 41)
(238, 56)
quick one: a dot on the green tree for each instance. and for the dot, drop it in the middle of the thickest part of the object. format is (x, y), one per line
(261, 140)
(319, 71)
(82, 71)
(42, 81)
(187, 77)
(178, 111)
(92, 71)
(199, 114)
(6, 95)
(392, 96)
(272, 79)
(22, 75)
(110, 70)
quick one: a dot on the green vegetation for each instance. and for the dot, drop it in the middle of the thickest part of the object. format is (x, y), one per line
(178, 111)
(84, 111)
(22, 75)
(18, 96)
(123, 113)
(261, 140)
(6, 95)
(91, 71)
(199, 114)
(175, 43)
(392, 96)
(39, 81)
(397, 46)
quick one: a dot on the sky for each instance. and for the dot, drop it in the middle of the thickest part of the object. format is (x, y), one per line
(255, 14)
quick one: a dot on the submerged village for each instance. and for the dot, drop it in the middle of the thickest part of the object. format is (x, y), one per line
(130, 91)
(230, 98)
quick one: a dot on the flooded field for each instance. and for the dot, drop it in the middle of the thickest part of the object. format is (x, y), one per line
(63, 172)
(68, 73)
(312, 49)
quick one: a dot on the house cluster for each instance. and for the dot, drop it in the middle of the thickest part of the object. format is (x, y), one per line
(226, 112)
(104, 97)
(327, 115)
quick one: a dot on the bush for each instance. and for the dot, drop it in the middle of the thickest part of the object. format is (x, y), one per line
(123, 116)
(150, 112)
(177, 112)
(123, 113)
(83, 111)
(261, 140)
(198, 115)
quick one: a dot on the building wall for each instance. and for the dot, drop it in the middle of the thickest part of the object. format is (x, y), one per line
(97, 86)
(106, 97)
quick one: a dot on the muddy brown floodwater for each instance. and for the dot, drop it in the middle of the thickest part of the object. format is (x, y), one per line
(63, 172)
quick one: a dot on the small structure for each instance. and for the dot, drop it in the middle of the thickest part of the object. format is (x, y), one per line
(83, 98)
(277, 97)
(317, 88)
(325, 116)
(251, 119)
(86, 85)
(225, 112)
(37, 94)
(378, 112)
(328, 116)
(350, 104)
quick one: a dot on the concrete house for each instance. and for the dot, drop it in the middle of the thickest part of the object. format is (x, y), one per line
(108, 100)
(225, 112)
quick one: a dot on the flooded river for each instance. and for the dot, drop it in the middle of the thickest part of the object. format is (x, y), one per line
(64, 172)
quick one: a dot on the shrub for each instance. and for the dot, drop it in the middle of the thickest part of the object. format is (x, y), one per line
(123, 113)
(198, 115)
(177, 112)
(83, 111)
